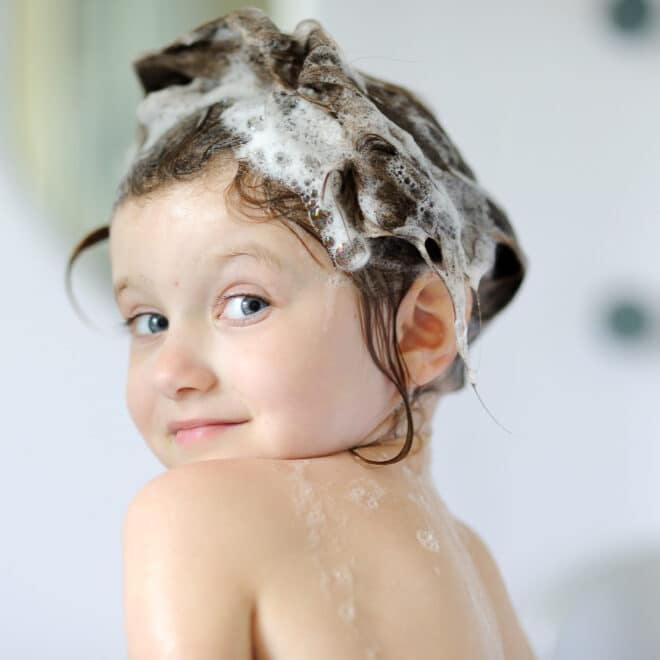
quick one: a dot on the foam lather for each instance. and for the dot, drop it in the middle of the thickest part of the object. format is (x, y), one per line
(368, 158)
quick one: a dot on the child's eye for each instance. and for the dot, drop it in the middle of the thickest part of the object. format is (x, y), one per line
(249, 307)
(133, 322)
(152, 322)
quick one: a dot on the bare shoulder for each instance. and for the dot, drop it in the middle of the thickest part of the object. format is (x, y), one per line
(516, 644)
(192, 552)
(235, 502)
(227, 487)
(209, 478)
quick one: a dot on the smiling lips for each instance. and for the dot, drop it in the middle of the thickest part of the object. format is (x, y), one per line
(196, 430)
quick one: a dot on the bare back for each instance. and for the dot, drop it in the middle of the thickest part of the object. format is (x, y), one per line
(358, 562)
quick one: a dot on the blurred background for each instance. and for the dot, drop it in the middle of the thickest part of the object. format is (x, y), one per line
(556, 106)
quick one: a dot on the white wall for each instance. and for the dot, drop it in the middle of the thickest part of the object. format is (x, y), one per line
(70, 457)
(559, 120)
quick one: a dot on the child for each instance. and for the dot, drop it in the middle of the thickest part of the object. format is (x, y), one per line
(324, 257)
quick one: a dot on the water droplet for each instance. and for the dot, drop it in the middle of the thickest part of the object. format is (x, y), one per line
(315, 517)
(427, 540)
(347, 611)
(366, 492)
(342, 576)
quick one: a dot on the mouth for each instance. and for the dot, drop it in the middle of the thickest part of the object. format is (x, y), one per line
(199, 434)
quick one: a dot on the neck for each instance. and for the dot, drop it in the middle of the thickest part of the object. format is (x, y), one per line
(388, 438)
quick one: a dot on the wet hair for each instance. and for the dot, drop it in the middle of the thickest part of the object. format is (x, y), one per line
(186, 145)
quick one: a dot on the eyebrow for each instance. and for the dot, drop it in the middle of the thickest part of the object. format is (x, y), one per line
(255, 250)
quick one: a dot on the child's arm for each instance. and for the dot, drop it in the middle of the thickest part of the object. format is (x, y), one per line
(514, 640)
(184, 597)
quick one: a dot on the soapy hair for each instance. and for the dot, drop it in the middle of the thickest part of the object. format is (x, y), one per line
(183, 146)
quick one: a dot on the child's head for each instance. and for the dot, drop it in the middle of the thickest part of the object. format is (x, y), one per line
(392, 255)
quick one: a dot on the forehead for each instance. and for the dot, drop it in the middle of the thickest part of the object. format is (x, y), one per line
(190, 221)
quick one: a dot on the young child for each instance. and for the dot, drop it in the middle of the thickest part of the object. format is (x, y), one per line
(302, 258)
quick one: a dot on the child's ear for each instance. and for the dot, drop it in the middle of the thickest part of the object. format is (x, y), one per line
(425, 328)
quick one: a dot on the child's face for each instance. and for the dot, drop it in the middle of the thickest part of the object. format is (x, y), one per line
(286, 355)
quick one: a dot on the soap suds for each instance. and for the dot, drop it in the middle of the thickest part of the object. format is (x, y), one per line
(420, 500)
(347, 611)
(365, 492)
(438, 523)
(428, 540)
(336, 574)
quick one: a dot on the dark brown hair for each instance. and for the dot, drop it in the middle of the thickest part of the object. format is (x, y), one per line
(198, 144)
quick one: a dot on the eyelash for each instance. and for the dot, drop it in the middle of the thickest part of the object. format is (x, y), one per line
(128, 323)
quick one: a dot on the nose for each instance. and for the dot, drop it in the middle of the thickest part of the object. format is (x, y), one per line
(182, 366)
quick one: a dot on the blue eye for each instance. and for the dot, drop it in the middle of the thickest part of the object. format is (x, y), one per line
(160, 324)
(156, 322)
(250, 306)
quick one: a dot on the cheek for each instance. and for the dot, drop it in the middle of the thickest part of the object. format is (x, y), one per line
(269, 374)
(311, 366)
(138, 400)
